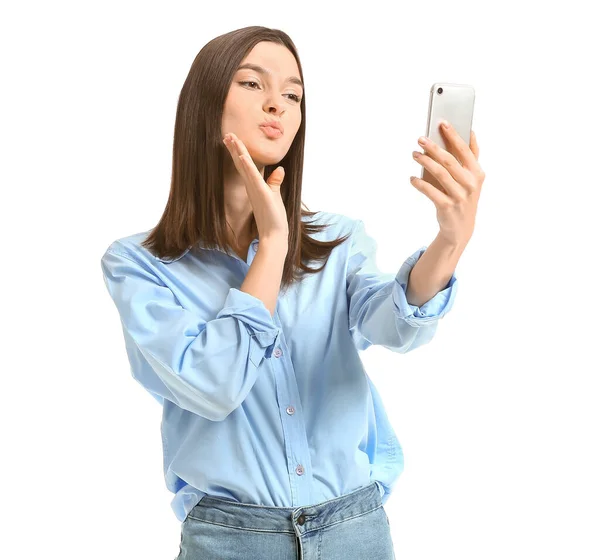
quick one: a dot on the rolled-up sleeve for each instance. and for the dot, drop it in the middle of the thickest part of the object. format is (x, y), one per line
(378, 311)
(431, 310)
(204, 365)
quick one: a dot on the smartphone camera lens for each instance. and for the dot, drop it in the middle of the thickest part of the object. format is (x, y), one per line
(440, 90)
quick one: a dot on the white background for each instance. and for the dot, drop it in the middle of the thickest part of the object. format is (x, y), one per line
(497, 416)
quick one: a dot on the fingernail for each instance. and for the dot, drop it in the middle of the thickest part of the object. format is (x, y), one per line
(445, 124)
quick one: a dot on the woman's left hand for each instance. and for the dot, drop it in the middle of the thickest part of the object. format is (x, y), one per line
(460, 175)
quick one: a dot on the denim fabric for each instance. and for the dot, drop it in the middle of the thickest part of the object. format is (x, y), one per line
(354, 526)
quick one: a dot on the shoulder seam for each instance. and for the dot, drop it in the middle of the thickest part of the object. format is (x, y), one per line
(120, 254)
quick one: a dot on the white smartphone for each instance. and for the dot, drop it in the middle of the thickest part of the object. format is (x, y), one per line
(454, 103)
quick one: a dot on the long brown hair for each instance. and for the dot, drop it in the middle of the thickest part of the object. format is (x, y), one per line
(195, 210)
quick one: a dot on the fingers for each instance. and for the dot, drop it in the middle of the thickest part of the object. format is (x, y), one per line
(243, 162)
(234, 151)
(442, 163)
(459, 148)
(240, 156)
(473, 145)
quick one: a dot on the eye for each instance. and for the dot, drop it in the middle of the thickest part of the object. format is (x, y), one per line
(295, 97)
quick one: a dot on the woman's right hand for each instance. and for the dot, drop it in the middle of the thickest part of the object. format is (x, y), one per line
(265, 196)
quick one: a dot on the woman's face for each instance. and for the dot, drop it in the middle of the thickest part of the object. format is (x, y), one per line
(267, 97)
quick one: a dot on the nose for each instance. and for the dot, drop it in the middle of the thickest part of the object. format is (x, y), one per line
(274, 107)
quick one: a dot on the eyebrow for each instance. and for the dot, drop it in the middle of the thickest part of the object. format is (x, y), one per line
(262, 70)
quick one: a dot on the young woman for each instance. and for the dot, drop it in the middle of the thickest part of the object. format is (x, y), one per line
(276, 443)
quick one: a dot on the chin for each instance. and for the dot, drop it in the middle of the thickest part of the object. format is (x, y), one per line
(263, 157)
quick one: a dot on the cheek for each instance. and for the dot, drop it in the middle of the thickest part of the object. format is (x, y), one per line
(235, 109)
(295, 132)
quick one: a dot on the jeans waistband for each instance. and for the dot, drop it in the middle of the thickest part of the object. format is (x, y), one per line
(299, 519)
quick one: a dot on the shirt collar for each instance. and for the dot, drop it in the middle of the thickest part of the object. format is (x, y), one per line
(172, 259)
(200, 245)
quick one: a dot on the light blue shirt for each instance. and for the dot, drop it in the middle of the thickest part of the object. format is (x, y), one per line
(270, 410)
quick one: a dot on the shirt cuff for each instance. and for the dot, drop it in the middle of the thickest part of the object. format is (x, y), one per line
(432, 310)
(255, 316)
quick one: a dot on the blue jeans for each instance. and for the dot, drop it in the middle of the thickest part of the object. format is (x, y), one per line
(354, 526)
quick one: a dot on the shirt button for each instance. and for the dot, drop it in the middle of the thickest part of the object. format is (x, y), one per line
(277, 352)
(290, 410)
(300, 470)
(301, 520)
